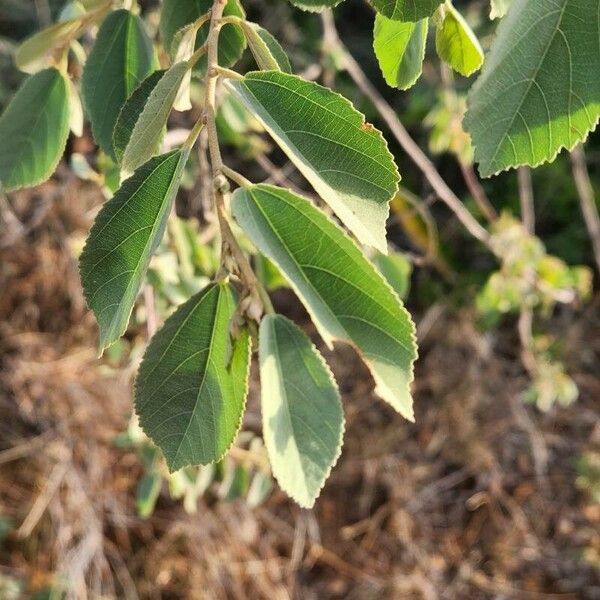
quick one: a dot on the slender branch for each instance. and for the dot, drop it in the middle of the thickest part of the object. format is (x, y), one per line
(235, 176)
(476, 190)
(526, 199)
(401, 134)
(586, 199)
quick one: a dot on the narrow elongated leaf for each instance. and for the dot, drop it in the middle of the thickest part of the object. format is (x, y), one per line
(396, 269)
(35, 52)
(75, 111)
(185, 50)
(346, 296)
(267, 52)
(406, 10)
(34, 130)
(400, 49)
(124, 236)
(303, 421)
(191, 387)
(346, 160)
(120, 60)
(539, 90)
(148, 129)
(456, 43)
(176, 14)
(130, 113)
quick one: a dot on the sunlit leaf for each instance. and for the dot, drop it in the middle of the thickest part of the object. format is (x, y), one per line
(396, 269)
(303, 421)
(191, 387)
(345, 159)
(499, 8)
(406, 10)
(120, 60)
(125, 234)
(400, 49)
(346, 296)
(267, 52)
(539, 90)
(315, 5)
(34, 129)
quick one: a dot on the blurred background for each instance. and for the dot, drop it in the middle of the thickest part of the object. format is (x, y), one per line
(494, 492)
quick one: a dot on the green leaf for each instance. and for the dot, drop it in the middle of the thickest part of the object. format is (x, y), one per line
(396, 269)
(346, 160)
(176, 14)
(131, 111)
(147, 494)
(35, 52)
(315, 5)
(456, 43)
(346, 296)
(539, 90)
(303, 421)
(267, 52)
(406, 10)
(34, 130)
(400, 49)
(499, 8)
(125, 234)
(120, 60)
(148, 129)
(191, 387)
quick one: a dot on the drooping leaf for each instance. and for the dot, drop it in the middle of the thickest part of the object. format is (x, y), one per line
(148, 129)
(176, 14)
(400, 49)
(406, 10)
(185, 49)
(396, 269)
(315, 5)
(499, 8)
(34, 130)
(125, 234)
(191, 387)
(303, 421)
(539, 90)
(131, 111)
(346, 296)
(75, 111)
(120, 60)
(34, 53)
(147, 494)
(456, 43)
(345, 159)
(267, 52)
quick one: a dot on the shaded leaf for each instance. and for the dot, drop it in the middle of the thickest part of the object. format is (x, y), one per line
(396, 269)
(191, 387)
(120, 60)
(303, 421)
(34, 130)
(267, 52)
(346, 160)
(125, 234)
(537, 93)
(400, 49)
(406, 10)
(315, 5)
(148, 129)
(346, 296)
(456, 43)
(131, 111)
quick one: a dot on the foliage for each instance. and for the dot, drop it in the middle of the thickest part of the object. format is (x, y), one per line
(531, 99)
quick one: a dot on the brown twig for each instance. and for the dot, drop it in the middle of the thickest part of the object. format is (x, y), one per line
(526, 199)
(476, 190)
(586, 199)
(333, 42)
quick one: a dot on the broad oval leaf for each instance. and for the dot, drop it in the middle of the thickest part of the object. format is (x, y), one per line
(456, 43)
(191, 388)
(34, 53)
(125, 235)
(34, 130)
(176, 14)
(539, 90)
(406, 10)
(267, 52)
(131, 111)
(303, 420)
(347, 297)
(400, 49)
(148, 129)
(346, 160)
(120, 60)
